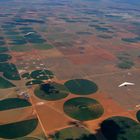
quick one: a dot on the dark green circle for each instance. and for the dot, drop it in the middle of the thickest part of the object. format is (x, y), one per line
(81, 86)
(12, 103)
(5, 57)
(2, 42)
(28, 138)
(83, 109)
(42, 74)
(5, 83)
(138, 115)
(9, 71)
(51, 91)
(3, 49)
(73, 133)
(34, 82)
(18, 129)
(120, 128)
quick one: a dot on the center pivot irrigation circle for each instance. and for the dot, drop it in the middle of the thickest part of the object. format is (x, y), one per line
(120, 128)
(18, 129)
(83, 109)
(28, 138)
(138, 115)
(81, 86)
(42, 74)
(74, 133)
(51, 91)
(5, 57)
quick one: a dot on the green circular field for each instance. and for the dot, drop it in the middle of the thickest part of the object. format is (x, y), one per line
(5, 83)
(34, 82)
(5, 57)
(81, 86)
(120, 128)
(12, 103)
(28, 138)
(2, 42)
(18, 129)
(51, 91)
(21, 41)
(9, 71)
(73, 133)
(42, 74)
(138, 115)
(83, 109)
(3, 49)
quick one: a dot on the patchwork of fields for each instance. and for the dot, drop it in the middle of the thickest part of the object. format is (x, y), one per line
(61, 63)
